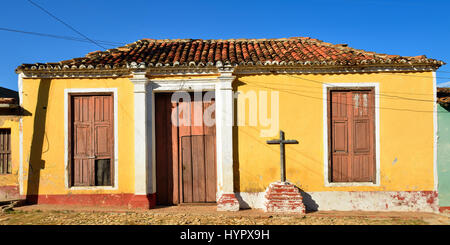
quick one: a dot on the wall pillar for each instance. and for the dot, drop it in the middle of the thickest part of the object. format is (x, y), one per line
(226, 199)
(144, 194)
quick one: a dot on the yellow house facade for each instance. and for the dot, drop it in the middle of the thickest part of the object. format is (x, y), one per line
(101, 129)
(10, 115)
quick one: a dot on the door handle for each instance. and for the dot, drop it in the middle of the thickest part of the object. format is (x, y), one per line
(93, 157)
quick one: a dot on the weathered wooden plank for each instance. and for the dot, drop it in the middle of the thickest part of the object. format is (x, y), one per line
(175, 155)
(187, 168)
(210, 165)
(198, 169)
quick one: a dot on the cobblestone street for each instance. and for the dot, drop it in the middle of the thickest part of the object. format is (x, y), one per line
(205, 215)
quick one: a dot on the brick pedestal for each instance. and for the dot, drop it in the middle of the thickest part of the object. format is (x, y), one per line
(283, 197)
(228, 202)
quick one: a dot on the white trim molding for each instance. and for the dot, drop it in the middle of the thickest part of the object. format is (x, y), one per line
(310, 69)
(435, 133)
(20, 86)
(172, 85)
(224, 133)
(144, 175)
(376, 87)
(405, 201)
(66, 138)
(222, 85)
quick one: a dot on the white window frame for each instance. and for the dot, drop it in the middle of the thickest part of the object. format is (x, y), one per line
(66, 138)
(376, 87)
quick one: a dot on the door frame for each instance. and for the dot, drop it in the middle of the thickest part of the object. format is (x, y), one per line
(145, 88)
(179, 180)
(326, 157)
(67, 134)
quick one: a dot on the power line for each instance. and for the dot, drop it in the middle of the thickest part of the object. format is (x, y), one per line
(314, 89)
(313, 97)
(380, 94)
(64, 23)
(60, 37)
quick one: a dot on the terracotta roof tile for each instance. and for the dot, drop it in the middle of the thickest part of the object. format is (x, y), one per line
(7, 100)
(443, 97)
(198, 52)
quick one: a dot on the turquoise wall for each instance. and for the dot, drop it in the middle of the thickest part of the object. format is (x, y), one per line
(443, 160)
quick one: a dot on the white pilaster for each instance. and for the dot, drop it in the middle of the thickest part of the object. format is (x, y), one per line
(143, 130)
(224, 131)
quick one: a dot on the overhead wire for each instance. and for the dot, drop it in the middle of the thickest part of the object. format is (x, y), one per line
(322, 99)
(64, 23)
(109, 43)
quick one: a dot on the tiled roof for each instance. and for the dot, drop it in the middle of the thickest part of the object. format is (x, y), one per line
(443, 96)
(8, 96)
(296, 51)
(9, 101)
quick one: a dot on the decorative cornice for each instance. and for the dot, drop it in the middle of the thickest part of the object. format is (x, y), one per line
(222, 71)
(181, 71)
(140, 81)
(242, 70)
(75, 73)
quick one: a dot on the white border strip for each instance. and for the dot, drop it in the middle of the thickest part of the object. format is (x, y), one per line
(405, 201)
(376, 86)
(173, 85)
(21, 183)
(435, 132)
(66, 137)
(187, 85)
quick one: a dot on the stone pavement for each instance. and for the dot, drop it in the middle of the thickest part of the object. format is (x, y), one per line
(207, 215)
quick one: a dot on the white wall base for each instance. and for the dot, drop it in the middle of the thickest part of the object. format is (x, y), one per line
(418, 201)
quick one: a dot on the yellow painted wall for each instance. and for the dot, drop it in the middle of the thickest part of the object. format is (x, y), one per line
(43, 134)
(12, 122)
(406, 132)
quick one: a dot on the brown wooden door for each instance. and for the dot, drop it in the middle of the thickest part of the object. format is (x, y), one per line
(92, 141)
(352, 136)
(185, 155)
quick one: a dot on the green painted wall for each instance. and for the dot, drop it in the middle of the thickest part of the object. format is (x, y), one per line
(443, 159)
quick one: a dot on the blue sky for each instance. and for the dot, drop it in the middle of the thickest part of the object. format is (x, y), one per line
(406, 28)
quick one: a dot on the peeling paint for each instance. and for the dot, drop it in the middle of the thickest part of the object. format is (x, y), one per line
(395, 161)
(416, 201)
(356, 100)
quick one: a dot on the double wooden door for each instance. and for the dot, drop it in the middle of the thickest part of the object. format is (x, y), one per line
(185, 150)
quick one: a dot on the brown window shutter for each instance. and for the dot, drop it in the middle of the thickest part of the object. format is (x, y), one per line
(352, 135)
(5, 151)
(92, 140)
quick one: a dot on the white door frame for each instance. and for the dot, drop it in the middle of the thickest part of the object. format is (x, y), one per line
(144, 92)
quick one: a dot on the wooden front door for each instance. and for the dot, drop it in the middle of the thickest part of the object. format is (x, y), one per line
(92, 140)
(185, 152)
(352, 135)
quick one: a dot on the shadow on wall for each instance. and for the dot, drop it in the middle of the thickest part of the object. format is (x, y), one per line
(310, 204)
(36, 163)
(236, 170)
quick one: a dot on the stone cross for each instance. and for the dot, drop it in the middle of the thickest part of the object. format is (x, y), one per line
(282, 142)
